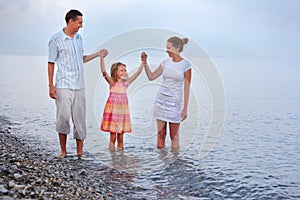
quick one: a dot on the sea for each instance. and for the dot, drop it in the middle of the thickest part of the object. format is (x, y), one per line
(240, 141)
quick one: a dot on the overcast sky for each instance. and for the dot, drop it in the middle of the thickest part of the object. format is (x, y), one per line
(225, 28)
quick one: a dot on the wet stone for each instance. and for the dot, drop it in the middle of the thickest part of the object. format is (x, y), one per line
(7, 198)
(82, 172)
(27, 173)
(11, 184)
(3, 190)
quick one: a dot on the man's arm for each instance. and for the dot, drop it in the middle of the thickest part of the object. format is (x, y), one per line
(52, 91)
(87, 58)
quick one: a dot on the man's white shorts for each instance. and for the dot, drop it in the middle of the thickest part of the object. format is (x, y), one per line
(71, 104)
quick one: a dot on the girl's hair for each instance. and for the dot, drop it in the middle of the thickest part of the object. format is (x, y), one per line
(178, 42)
(113, 70)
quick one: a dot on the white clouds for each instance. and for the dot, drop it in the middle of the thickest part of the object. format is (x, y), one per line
(12, 14)
(20, 15)
(217, 23)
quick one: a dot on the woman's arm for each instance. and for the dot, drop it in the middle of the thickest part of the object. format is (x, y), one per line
(187, 86)
(102, 54)
(153, 75)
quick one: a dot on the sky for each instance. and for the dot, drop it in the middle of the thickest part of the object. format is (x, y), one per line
(228, 28)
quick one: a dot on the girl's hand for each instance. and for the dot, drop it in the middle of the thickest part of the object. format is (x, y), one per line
(144, 57)
(103, 53)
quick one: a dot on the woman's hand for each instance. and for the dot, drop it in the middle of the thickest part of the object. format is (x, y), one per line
(183, 114)
(144, 57)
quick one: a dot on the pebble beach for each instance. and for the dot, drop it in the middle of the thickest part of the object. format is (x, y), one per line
(29, 172)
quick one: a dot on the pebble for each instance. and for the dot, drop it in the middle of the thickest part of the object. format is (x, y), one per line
(30, 170)
(27, 173)
(11, 184)
(3, 190)
(7, 198)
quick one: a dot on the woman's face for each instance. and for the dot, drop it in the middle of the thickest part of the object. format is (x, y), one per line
(171, 50)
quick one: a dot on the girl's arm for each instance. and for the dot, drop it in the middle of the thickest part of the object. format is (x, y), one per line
(187, 84)
(135, 75)
(102, 54)
(151, 75)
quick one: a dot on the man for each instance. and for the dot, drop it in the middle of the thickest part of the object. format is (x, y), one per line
(66, 51)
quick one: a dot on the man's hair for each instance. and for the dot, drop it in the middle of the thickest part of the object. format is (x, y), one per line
(72, 14)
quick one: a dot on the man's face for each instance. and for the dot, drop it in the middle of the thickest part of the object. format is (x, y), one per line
(77, 24)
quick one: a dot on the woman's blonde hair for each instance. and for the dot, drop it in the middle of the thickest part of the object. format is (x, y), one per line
(178, 42)
(114, 69)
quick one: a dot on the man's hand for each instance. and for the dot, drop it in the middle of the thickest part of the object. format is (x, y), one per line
(52, 92)
(103, 53)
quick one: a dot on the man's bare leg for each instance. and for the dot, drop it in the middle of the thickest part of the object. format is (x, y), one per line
(63, 145)
(79, 145)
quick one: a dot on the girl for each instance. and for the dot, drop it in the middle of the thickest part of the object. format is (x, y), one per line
(116, 115)
(169, 106)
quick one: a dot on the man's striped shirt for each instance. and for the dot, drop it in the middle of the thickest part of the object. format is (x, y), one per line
(67, 53)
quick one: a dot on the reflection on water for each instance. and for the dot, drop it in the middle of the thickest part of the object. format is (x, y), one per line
(124, 161)
(132, 162)
(256, 157)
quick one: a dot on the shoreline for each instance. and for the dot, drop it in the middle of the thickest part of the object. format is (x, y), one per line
(28, 171)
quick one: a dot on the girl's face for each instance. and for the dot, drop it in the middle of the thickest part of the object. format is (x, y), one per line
(121, 72)
(171, 50)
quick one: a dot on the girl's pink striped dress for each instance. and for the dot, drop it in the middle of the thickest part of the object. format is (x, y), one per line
(116, 115)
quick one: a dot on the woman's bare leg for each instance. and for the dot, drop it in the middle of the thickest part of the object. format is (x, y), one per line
(161, 133)
(174, 135)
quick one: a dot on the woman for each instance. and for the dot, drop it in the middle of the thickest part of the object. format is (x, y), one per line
(170, 104)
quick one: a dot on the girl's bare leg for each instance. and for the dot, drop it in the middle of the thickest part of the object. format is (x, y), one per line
(161, 133)
(120, 141)
(112, 141)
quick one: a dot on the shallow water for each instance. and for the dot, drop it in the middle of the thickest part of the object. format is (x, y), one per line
(256, 157)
